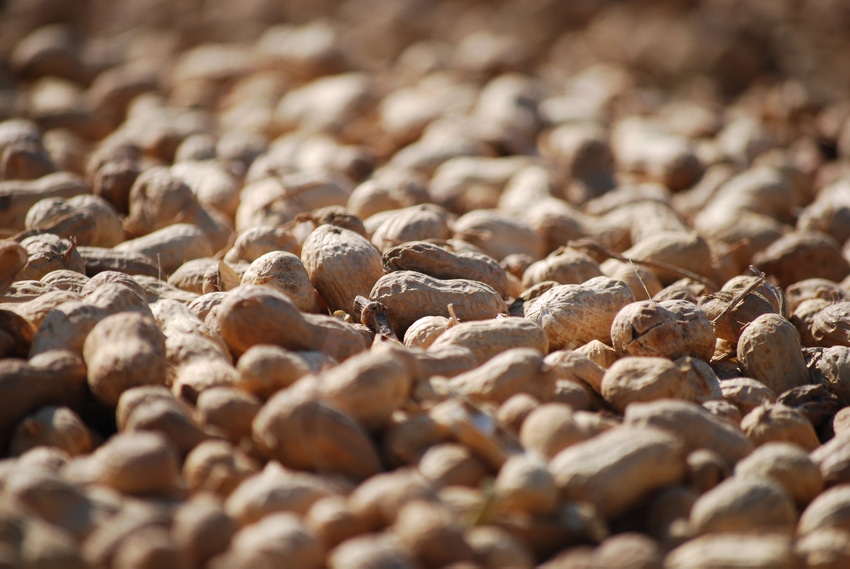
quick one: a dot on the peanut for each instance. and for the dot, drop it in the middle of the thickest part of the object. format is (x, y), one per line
(573, 315)
(594, 469)
(410, 295)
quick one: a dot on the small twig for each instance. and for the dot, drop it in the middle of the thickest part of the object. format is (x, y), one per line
(777, 294)
(587, 244)
(640, 279)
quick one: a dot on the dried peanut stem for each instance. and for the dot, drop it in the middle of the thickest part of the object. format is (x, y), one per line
(589, 245)
(375, 316)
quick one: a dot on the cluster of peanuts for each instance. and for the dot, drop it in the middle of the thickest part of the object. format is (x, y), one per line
(475, 285)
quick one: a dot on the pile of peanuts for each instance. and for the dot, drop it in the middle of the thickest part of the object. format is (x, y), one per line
(419, 284)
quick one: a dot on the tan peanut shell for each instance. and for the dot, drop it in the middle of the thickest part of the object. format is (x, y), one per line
(779, 423)
(832, 365)
(670, 328)
(21, 195)
(443, 263)
(730, 550)
(376, 502)
(13, 258)
(369, 550)
(573, 315)
(831, 326)
(695, 426)
(769, 350)
(598, 468)
(601, 354)
(745, 393)
(550, 428)
(123, 351)
(217, 467)
(58, 427)
(833, 460)
(278, 539)
(730, 326)
(264, 369)
(298, 430)
(201, 528)
(47, 252)
(802, 255)
(830, 509)
(519, 370)
(285, 272)
(190, 275)
(275, 489)
(742, 504)
(564, 266)
(488, 338)
(641, 379)
(253, 314)
(257, 241)
(170, 246)
(414, 223)
(431, 534)
(786, 464)
(685, 250)
(369, 386)
(341, 265)
(525, 485)
(142, 463)
(824, 548)
(198, 358)
(227, 411)
(498, 548)
(574, 366)
(643, 282)
(499, 235)
(451, 464)
(410, 295)
(424, 331)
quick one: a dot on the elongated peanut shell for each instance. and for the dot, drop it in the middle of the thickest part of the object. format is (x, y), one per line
(697, 427)
(441, 263)
(742, 504)
(616, 469)
(733, 550)
(254, 314)
(410, 295)
(573, 315)
(488, 338)
(295, 428)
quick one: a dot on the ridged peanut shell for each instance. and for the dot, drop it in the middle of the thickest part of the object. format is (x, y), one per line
(285, 272)
(410, 295)
(573, 315)
(670, 329)
(769, 350)
(443, 263)
(342, 265)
